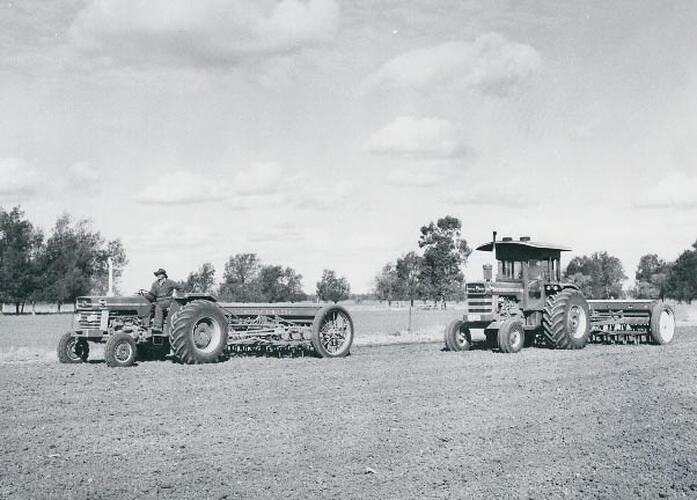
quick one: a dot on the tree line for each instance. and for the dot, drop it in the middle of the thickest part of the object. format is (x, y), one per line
(436, 273)
(600, 275)
(70, 261)
(247, 279)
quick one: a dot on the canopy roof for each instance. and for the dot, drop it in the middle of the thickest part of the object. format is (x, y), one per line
(522, 245)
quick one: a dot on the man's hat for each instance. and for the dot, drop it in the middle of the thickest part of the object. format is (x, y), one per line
(160, 271)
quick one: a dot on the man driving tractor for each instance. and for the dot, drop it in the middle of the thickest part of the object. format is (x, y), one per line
(160, 295)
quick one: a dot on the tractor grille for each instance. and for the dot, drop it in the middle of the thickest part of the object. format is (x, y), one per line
(477, 301)
(480, 304)
(88, 320)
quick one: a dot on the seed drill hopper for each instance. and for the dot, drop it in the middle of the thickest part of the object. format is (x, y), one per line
(527, 303)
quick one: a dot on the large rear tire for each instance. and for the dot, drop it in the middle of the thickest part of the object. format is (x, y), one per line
(72, 349)
(120, 350)
(332, 332)
(566, 320)
(198, 333)
(457, 336)
(662, 323)
(511, 336)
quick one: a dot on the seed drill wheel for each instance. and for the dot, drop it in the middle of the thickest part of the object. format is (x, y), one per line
(198, 333)
(332, 332)
(72, 350)
(511, 335)
(457, 336)
(120, 350)
(662, 323)
(566, 320)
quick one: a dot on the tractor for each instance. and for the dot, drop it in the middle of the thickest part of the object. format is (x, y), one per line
(199, 329)
(527, 304)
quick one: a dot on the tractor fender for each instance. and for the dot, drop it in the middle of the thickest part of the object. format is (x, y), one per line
(566, 286)
(185, 298)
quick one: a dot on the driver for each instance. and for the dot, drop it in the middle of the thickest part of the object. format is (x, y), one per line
(160, 294)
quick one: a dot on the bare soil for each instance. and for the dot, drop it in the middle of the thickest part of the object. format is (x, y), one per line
(386, 422)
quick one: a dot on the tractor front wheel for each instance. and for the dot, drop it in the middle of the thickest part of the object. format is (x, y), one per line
(457, 336)
(72, 350)
(566, 320)
(511, 336)
(120, 350)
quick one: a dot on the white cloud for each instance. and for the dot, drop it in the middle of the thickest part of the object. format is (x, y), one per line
(259, 185)
(182, 187)
(258, 179)
(418, 137)
(491, 63)
(18, 180)
(202, 32)
(675, 190)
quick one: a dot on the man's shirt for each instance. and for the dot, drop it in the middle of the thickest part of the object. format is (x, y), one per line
(163, 290)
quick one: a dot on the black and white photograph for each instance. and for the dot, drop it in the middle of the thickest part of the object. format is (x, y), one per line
(351, 249)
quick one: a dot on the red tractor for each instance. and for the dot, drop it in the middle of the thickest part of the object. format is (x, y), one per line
(528, 303)
(201, 330)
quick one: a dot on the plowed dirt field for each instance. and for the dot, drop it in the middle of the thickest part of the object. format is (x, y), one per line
(386, 422)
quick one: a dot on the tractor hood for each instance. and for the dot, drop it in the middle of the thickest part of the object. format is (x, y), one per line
(100, 302)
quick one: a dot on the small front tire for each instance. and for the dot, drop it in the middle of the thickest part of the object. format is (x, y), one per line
(72, 349)
(120, 350)
(511, 336)
(457, 336)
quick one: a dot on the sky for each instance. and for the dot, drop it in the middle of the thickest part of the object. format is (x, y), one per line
(324, 134)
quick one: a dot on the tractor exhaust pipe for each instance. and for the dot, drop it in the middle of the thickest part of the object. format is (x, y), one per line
(488, 268)
(110, 267)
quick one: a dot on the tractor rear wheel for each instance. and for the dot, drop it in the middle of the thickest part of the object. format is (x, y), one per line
(332, 332)
(566, 320)
(662, 323)
(198, 333)
(457, 336)
(120, 350)
(72, 350)
(511, 336)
